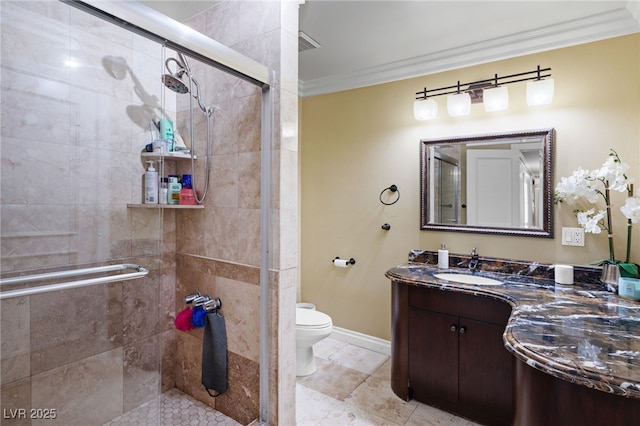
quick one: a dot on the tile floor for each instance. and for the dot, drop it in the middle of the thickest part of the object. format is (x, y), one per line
(351, 387)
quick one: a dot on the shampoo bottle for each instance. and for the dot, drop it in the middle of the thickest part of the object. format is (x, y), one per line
(164, 190)
(443, 257)
(174, 190)
(151, 185)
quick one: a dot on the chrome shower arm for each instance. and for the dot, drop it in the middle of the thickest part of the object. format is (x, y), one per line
(181, 68)
(185, 63)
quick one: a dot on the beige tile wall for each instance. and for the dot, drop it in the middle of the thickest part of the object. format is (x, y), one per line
(218, 250)
(70, 163)
(73, 126)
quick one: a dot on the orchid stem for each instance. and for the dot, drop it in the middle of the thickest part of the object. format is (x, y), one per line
(628, 256)
(612, 256)
(628, 241)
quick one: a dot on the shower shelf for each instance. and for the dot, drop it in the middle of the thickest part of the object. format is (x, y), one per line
(165, 206)
(168, 155)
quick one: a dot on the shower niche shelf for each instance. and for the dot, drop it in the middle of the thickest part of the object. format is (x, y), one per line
(165, 206)
(165, 156)
(168, 155)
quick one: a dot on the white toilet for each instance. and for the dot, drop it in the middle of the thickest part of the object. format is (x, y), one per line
(311, 327)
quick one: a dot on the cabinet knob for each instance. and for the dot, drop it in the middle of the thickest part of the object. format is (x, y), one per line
(463, 330)
(453, 328)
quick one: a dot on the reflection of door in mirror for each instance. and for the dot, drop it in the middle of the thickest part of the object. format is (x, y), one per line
(530, 166)
(505, 186)
(526, 196)
(444, 184)
(447, 200)
(492, 191)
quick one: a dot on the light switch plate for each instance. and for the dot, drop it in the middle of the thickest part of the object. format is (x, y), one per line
(573, 237)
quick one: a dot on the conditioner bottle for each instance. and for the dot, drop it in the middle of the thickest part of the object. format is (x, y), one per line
(174, 190)
(151, 185)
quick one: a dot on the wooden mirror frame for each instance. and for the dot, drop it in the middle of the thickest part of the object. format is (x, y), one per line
(547, 136)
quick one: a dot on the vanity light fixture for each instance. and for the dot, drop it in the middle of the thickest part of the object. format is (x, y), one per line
(492, 92)
(459, 103)
(495, 98)
(540, 92)
(426, 109)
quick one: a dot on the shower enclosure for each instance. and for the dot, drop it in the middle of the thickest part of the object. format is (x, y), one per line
(78, 95)
(70, 165)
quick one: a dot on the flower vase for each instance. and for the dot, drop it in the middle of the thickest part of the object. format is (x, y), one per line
(610, 276)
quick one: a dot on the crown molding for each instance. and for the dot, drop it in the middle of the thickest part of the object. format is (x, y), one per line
(601, 26)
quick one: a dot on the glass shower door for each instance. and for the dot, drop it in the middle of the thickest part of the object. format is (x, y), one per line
(75, 91)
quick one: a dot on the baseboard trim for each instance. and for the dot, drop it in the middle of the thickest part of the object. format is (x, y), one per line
(362, 340)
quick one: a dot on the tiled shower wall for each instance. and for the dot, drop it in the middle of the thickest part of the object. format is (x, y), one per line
(77, 96)
(218, 248)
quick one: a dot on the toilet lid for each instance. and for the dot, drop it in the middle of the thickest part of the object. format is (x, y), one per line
(309, 318)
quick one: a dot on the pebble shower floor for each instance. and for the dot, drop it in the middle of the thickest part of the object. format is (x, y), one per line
(176, 408)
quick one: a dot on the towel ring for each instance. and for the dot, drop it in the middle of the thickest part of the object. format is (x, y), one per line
(392, 188)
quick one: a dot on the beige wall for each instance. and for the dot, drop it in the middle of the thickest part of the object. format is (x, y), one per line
(356, 143)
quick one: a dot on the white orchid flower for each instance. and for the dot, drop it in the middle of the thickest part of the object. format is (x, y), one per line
(631, 209)
(577, 186)
(613, 171)
(587, 186)
(590, 221)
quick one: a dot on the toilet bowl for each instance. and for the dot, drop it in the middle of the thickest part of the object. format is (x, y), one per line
(311, 327)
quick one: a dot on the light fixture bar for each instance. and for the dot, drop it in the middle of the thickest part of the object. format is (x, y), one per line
(536, 74)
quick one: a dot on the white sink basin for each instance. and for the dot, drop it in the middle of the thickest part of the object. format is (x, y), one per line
(468, 279)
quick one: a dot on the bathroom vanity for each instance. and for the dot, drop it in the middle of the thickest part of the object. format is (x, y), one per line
(454, 353)
(526, 352)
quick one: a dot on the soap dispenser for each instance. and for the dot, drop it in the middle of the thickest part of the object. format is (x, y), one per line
(151, 184)
(443, 257)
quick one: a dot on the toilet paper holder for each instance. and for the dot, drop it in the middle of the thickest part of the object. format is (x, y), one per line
(351, 261)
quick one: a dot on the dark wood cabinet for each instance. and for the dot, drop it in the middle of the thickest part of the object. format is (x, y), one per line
(456, 359)
(447, 351)
(433, 356)
(544, 400)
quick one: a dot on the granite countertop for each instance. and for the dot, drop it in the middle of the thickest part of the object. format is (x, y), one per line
(580, 333)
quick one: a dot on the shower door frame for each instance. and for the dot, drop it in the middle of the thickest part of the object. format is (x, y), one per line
(154, 25)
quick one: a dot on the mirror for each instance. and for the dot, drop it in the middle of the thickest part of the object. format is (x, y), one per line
(494, 184)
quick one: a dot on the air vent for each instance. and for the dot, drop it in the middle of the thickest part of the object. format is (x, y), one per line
(306, 43)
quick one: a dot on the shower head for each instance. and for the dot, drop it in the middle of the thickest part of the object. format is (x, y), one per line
(173, 80)
(174, 84)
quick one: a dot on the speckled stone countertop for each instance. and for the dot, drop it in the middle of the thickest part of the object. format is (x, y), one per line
(580, 333)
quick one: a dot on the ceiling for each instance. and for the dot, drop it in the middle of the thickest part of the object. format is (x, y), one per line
(372, 42)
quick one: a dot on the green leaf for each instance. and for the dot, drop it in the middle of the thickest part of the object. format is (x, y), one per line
(628, 270)
(601, 262)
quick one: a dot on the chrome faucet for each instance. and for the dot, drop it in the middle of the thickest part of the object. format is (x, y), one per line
(473, 262)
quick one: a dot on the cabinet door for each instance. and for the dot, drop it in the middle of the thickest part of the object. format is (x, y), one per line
(485, 368)
(433, 355)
